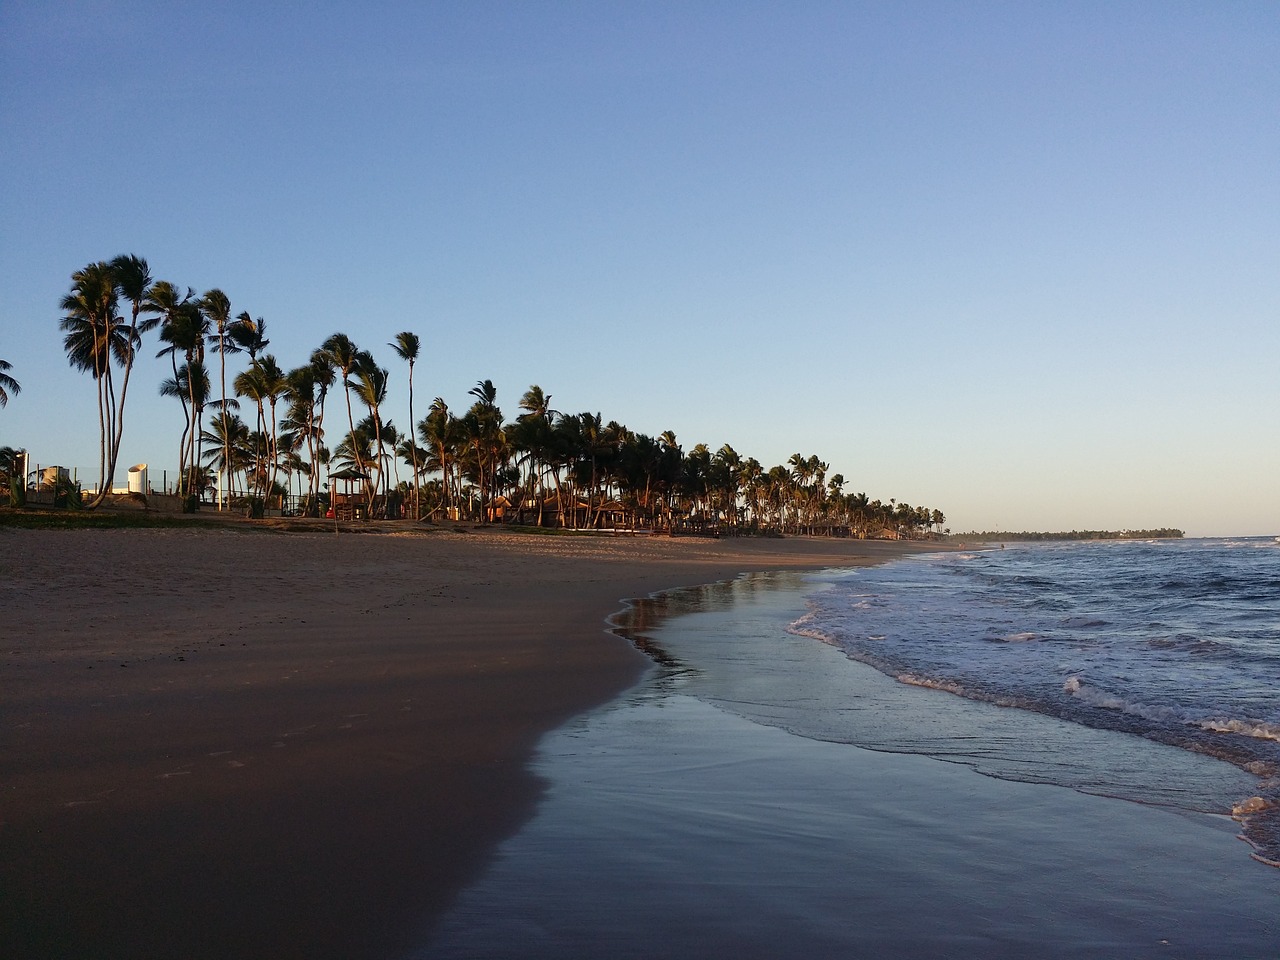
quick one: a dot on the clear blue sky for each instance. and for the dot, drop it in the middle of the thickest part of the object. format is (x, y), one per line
(1016, 261)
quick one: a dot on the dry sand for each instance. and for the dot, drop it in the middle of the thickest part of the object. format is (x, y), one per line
(262, 744)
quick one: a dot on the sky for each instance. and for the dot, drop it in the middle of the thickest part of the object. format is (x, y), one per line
(1016, 262)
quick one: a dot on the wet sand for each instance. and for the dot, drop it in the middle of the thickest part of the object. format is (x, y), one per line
(718, 809)
(230, 744)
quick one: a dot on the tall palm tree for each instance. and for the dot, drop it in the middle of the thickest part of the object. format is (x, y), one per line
(94, 337)
(534, 434)
(191, 386)
(8, 385)
(275, 385)
(322, 369)
(369, 383)
(484, 427)
(264, 383)
(727, 476)
(406, 345)
(342, 355)
(750, 477)
(133, 282)
(183, 327)
(596, 443)
(302, 421)
(438, 430)
(216, 307)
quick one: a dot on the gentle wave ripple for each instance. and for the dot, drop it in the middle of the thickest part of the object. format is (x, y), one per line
(1175, 641)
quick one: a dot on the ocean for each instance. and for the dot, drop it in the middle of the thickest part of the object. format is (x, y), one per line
(1173, 641)
(1031, 751)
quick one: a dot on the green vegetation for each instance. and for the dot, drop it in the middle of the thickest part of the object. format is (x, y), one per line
(33, 519)
(1163, 533)
(545, 468)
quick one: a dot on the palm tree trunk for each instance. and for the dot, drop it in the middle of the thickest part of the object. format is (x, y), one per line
(224, 475)
(413, 450)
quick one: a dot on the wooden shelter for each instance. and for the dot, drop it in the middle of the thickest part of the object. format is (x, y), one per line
(345, 504)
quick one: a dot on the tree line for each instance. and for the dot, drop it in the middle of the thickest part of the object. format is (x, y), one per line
(270, 437)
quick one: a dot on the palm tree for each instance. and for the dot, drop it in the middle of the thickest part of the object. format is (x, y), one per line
(342, 355)
(727, 476)
(534, 434)
(302, 422)
(190, 384)
(216, 307)
(94, 336)
(370, 385)
(750, 477)
(390, 441)
(484, 428)
(230, 451)
(183, 328)
(264, 383)
(597, 441)
(406, 345)
(7, 383)
(322, 369)
(132, 279)
(275, 385)
(250, 334)
(439, 432)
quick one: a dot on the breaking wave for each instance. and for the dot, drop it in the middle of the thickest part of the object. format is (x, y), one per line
(1176, 642)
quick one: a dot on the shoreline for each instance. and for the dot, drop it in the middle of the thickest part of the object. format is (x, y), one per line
(218, 744)
(704, 813)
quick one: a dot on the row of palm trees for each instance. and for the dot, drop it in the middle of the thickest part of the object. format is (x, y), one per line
(568, 469)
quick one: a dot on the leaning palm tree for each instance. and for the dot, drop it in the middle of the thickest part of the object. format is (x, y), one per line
(8, 385)
(406, 345)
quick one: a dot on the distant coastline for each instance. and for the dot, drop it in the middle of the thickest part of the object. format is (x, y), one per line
(1162, 533)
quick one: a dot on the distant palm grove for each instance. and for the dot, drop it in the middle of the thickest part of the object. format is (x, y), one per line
(263, 436)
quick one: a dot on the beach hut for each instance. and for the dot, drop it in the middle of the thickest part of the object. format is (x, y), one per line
(345, 504)
(497, 509)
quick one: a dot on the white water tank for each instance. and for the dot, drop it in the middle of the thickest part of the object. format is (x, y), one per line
(138, 479)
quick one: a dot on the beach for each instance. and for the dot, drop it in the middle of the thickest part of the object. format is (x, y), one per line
(266, 744)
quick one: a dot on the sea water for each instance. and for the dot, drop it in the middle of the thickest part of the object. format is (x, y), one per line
(765, 792)
(1175, 642)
